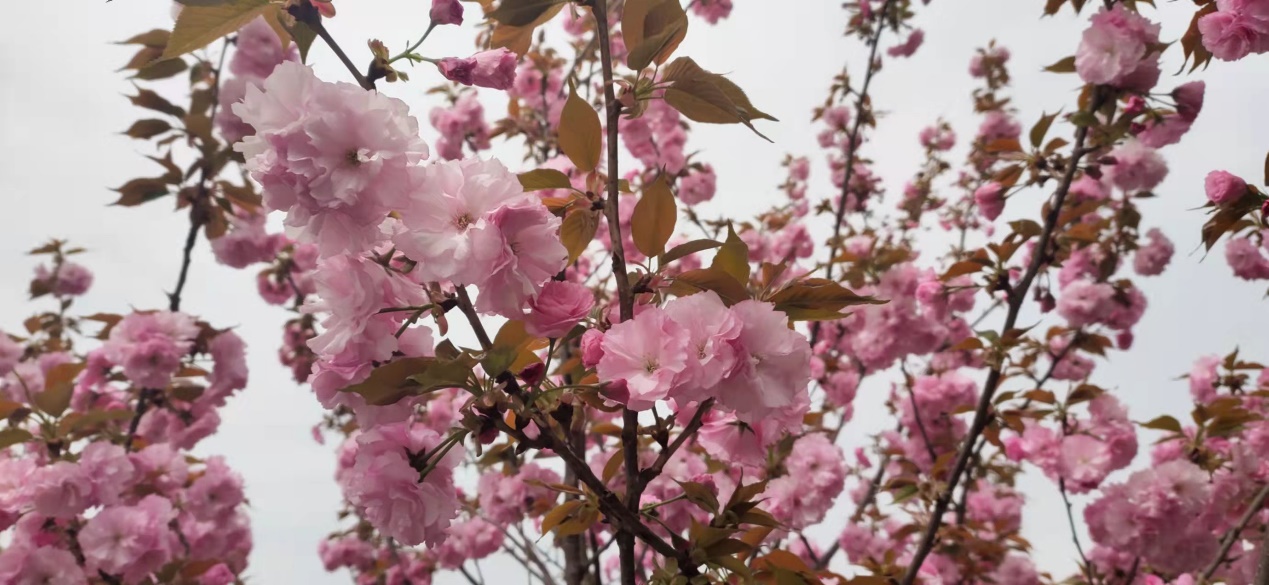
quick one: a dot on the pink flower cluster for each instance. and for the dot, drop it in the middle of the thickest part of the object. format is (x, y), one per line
(385, 482)
(697, 348)
(1238, 28)
(1118, 49)
(335, 157)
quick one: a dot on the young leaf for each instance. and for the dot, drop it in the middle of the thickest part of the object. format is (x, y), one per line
(694, 281)
(146, 129)
(707, 97)
(539, 179)
(1066, 65)
(577, 231)
(581, 136)
(522, 12)
(10, 437)
(59, 384)
(197, 26)
(818, 299)
(733, 257)
(1041, 128)
(688, 249)
(654, 218)
(664, 28)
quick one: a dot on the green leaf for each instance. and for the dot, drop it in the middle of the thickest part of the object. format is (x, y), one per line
(522, 12)
(580, 134)
(733, 257)
(539, 179)
(11, 437)
(199, 25)
(688, 249)
(654, 218)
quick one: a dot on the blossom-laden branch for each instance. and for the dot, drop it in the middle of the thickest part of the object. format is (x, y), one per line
(1017, 295)
(1235, 535)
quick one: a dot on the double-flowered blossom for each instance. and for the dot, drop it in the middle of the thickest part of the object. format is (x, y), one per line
(150, 346)
(386, 485)
(471, 223)
(696, 348)
(335, 157)
(1236, 29)
(815, 475)
(1118, 49)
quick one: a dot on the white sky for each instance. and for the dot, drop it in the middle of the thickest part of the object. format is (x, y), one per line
(62, 110)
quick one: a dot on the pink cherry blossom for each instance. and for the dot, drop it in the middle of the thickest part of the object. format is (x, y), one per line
(1223, 187)
(259, 50)
(1153, 256)
(494, 69)
(335, 157)
(131, 541)
(1237, 29)
(557, 308)
(772, 364)
(990, 200)
(446, 12)
(387, 490)
(1116, 50)
(68, 279)
(908, 46)
(698, 186)
(713, 333)
(528, 253)
(448, 225)
(712, 10)
(1137, 167)
(646, 354)
(150, 346)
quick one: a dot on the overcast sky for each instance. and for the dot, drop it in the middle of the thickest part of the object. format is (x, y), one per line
(62, 110)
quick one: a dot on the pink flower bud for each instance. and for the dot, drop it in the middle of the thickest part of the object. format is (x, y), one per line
(494, 69)
(990, 200)
(1223, 187)
(446, 12)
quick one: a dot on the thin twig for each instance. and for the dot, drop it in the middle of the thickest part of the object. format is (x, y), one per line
(1075, 535)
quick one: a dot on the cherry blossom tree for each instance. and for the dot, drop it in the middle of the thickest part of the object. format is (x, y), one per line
(561, 360)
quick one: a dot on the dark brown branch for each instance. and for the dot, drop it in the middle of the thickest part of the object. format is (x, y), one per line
(1227, 542)
(1017, 296)
(305, 12)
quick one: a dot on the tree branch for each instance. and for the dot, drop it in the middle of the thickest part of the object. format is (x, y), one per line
(1017, 296)
(307, 14)
(1227, 542)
